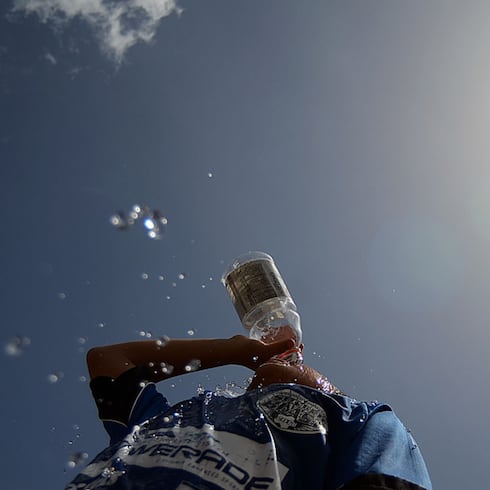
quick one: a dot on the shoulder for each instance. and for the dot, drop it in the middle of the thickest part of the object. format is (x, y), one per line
(126, 400)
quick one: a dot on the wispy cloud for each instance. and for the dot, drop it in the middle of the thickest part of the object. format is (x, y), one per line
(117, 24)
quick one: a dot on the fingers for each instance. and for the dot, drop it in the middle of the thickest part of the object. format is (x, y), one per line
(282, 345)
(278, 347)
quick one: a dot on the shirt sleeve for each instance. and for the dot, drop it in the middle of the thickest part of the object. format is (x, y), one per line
(381, 455)
(125, 401)
(373, 481)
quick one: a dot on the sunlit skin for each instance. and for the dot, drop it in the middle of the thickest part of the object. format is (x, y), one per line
(280, 371)
(259, 356)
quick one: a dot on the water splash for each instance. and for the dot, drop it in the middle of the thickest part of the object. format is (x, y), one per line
(153, 221)
(232, 390)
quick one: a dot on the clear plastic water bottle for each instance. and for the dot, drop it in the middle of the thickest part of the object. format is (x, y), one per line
(263, 302)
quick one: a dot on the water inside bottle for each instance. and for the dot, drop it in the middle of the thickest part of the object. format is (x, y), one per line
(252, 283)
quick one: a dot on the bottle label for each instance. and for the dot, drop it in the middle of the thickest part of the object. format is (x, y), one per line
(254, 282)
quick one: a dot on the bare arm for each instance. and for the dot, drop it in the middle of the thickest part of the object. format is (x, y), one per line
(113, 360)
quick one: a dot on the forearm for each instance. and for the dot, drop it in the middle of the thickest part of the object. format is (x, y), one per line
(178, 356)
(165, 359)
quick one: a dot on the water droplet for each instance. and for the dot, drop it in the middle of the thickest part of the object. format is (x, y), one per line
(191, 332)
(75, 459)
(149, 224)
(62, 295)
(161, 278)
(82, 340)
(101, 324)
(200, 389)
(255, 358)
(162, 340)
(142, 333)
(55, 377)
(174, 284)
(166, 368)
(192, 365)
(203, 286)
(210, 175)
(82, 379)
(144, 276)
(167, 298)
(172, 385)
(16, 346)
(119, 221)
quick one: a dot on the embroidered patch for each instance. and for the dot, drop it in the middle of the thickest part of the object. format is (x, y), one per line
(292, 412)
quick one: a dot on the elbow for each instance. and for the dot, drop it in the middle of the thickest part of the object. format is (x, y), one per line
(110, 360)
(94, 359)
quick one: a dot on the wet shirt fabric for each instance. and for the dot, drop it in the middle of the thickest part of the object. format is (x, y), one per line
(284, 436)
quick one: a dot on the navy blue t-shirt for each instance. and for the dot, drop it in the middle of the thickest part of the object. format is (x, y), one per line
(284, 436)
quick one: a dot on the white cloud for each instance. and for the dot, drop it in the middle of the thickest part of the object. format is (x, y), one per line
(118, 24)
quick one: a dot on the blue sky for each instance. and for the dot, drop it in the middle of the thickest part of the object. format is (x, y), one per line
(348, 139)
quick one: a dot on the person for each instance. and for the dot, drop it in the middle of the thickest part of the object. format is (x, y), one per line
(291, 429)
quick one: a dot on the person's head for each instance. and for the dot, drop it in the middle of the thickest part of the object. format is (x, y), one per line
(280, 371)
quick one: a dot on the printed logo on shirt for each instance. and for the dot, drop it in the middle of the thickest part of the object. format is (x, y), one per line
(223, 459)
(289, 411)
